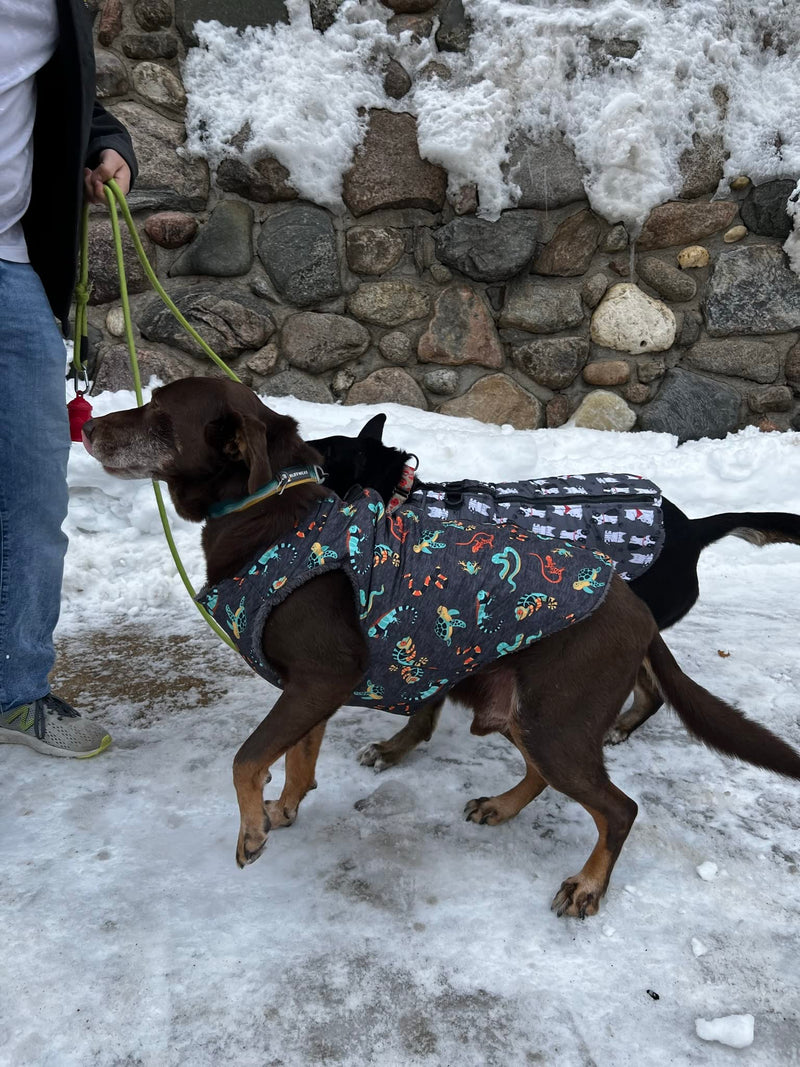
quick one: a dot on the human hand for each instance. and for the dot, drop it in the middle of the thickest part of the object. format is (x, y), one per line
(111, 165)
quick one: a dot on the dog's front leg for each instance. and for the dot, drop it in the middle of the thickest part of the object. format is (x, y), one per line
(299, 715)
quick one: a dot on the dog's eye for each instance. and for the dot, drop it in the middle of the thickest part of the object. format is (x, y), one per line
(161, 427)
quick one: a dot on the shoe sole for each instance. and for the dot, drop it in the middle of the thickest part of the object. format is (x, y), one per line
(9, 737)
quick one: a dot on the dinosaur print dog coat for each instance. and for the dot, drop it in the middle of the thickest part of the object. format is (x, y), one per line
(436, 599)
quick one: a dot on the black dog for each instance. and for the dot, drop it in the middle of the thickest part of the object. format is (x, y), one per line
(669, 587)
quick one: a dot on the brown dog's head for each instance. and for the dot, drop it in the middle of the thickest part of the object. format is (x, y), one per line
(210, 440)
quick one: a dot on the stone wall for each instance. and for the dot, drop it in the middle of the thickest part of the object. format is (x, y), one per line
(545, 315)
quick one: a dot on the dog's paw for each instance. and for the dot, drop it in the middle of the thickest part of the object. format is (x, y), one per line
(252, 843)
(279, 815)
(616, 735)
(373, 756)
(576, 899)
(485, 811)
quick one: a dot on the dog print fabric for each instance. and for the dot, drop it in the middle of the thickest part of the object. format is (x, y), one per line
(437, 598)
(619, 514)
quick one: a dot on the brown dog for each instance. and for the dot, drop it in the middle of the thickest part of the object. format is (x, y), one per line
(213, 443)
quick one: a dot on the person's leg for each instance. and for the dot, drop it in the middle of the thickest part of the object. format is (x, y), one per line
(34, 449)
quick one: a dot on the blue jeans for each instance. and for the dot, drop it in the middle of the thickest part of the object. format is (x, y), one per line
(34, 448)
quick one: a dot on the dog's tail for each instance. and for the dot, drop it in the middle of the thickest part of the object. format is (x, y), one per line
(716, 723)
(757, 527)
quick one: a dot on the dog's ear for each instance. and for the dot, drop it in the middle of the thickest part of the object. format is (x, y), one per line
(248, 442)
(374, 428)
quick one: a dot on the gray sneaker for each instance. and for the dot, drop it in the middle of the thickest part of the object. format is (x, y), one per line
(51, 725)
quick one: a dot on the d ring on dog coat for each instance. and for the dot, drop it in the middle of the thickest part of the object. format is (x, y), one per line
(436, 600)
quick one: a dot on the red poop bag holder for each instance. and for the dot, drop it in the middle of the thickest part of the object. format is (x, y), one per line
(80, 411)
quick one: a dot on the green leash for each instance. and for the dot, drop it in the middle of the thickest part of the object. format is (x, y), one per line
(114, 197)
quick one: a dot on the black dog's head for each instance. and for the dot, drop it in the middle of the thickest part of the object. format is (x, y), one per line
(363, 461)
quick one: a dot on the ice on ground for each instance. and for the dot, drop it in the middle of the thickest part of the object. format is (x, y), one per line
(734, 1030)
(708, 871)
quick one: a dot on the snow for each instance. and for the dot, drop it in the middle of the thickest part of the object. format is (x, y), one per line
(733, 1030)
(533, 67)
(382, 928)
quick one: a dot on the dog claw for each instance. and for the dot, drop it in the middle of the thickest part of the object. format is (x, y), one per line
(372, 756)
(575, 901)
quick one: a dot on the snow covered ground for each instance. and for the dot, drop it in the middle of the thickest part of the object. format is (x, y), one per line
(382, 928)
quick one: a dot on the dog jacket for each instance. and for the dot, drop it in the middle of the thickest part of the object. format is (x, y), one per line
(619, 514)
(436, 598)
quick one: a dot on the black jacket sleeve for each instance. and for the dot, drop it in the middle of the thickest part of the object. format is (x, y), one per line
(106, 131)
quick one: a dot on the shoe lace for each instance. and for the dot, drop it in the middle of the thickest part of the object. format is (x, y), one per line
(52, 705)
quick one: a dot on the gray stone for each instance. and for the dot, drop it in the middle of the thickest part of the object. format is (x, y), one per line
(650, 369)
(676, 223)
(389, 303)
(554, 361)
(763, 210)
(420, 26)
(264, 361)
(756, 360)
(455, 28)
(692, 407)
(160, 45)
(442, 382)
(396, 81)
(389, 385)
(488, 251)
(166, 180)
(752, 291)
(318, 342)
(669, 282)
(424, 249)
(324, 13)
(230, 321)
(388, 171)
(770, 398)
(111, 78)
(497, 399)
(442, 275)
(302, 386)
(237, 13)
(615, 239)
(153, 14)
(374, 249)
(103, 276)
(539, 307)
(701, 166)
(298, 249)
(113, 371)
(792, 367)
(396, 347)
(408, 7)
(594, 289)
(462, 330)
(159, 86)
(465, 199)
(689, 328)
(342, 382)
(636, 393)
(265, 180)
(601, 410)
(547, 173)
(571, 249)
(224, 246)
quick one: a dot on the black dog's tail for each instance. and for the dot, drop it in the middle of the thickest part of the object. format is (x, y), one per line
(716, 723)
(757, 527)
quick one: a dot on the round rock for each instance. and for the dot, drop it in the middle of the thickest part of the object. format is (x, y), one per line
(628, 320)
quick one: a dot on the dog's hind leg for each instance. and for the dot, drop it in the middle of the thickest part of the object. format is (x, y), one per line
(495, 810)
(647, 700)
(301, 762)
(420, 727)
